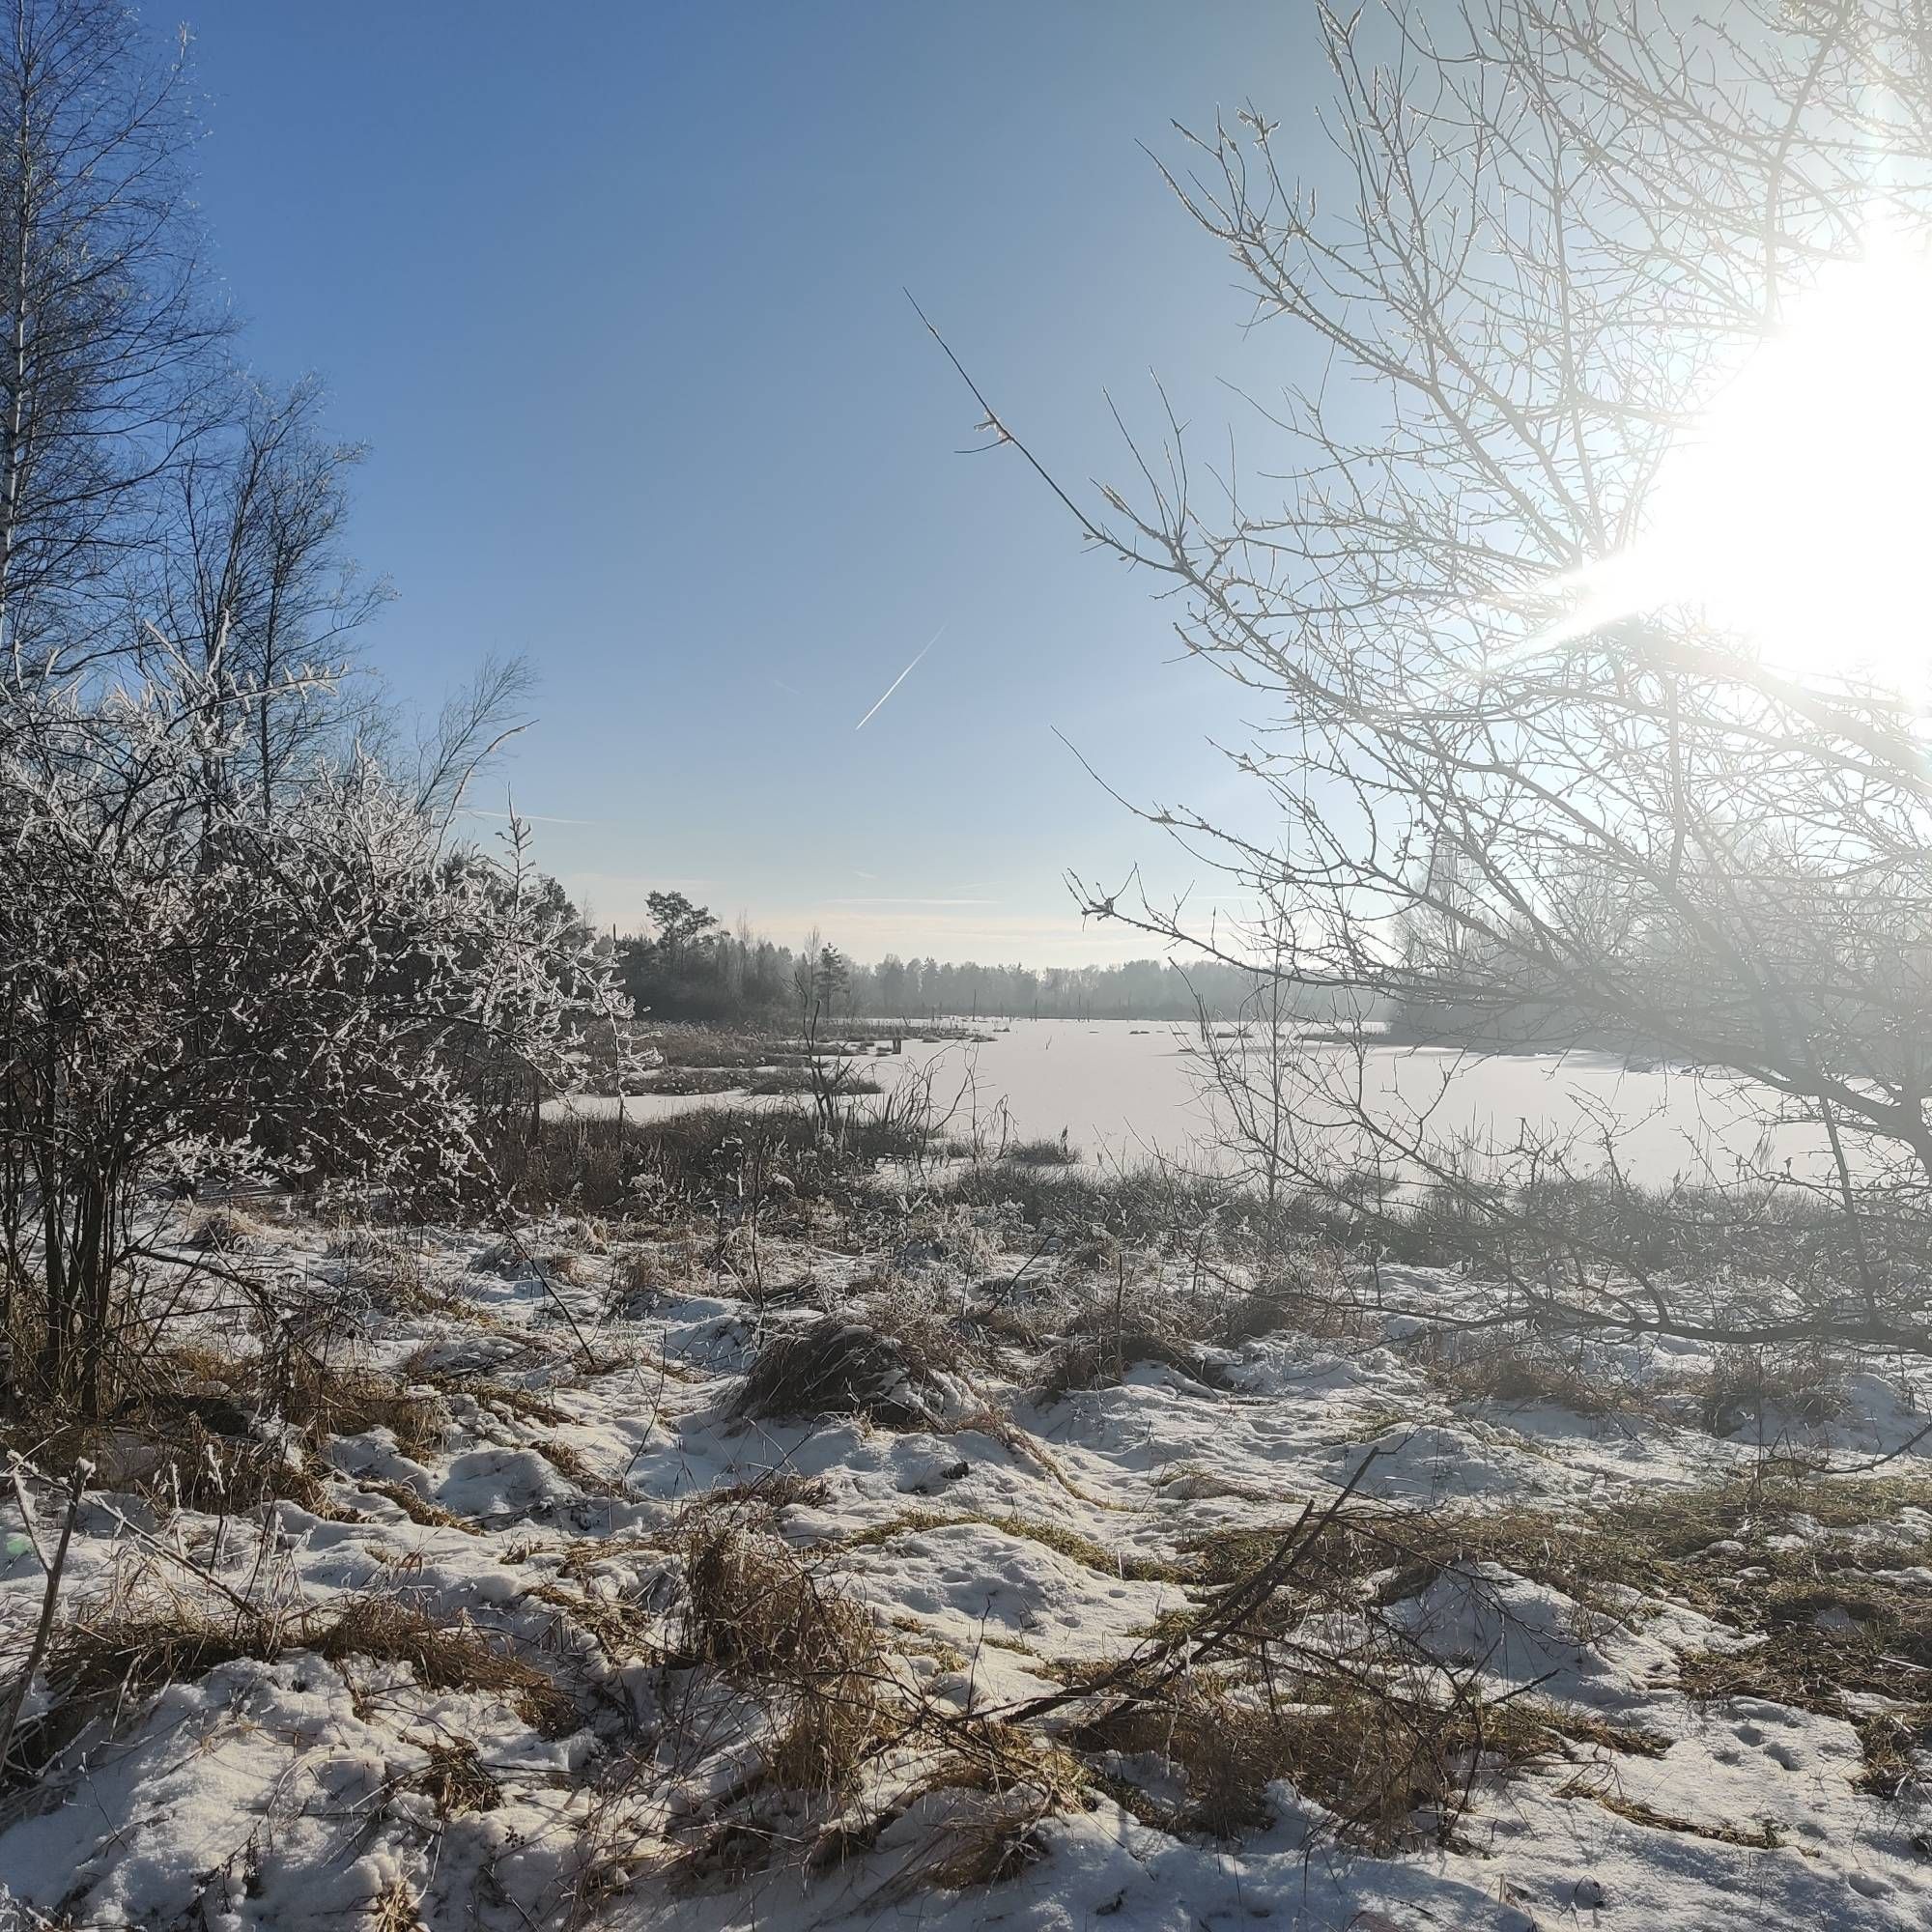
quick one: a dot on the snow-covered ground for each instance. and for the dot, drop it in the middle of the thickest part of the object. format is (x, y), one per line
(562, 1476)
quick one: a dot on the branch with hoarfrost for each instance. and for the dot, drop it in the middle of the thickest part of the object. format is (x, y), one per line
(330, 982)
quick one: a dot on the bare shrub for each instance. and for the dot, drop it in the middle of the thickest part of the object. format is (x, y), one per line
(1524, 785)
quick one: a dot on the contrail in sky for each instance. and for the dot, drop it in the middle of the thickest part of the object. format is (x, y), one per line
(901, 678)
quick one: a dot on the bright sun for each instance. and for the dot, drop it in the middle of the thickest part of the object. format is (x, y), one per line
(1798, 512)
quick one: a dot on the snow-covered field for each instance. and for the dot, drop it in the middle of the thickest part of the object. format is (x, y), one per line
(1693, 1670)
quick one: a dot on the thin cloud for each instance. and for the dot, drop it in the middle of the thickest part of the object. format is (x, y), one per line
(530, 818)
(907, 901)
(901, 679)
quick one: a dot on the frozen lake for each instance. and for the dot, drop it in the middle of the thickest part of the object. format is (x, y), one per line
(1126, 1091)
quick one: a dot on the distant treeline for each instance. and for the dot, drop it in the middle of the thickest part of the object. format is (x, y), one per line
(689, 968)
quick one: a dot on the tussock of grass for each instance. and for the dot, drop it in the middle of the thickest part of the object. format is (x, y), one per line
(225, 1231)
(456, 1780)
(835, 1367)
(328, 1401)
(1058, 1152)
(1379, 1755)
(97, 1663)
(1101, 1361)
(768, 1620)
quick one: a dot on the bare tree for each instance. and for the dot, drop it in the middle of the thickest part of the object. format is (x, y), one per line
(256, 580)
(1506, 801)
(106, 374)
(476, 721)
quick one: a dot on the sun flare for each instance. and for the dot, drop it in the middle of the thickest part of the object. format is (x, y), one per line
(1797, 512)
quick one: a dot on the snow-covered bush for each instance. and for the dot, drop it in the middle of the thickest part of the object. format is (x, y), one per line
(314, 978)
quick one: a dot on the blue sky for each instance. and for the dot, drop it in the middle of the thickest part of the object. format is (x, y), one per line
(614, 293)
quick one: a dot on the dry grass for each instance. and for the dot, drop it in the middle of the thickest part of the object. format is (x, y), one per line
(185, 1427)
(1754, 1390)
(1513, 1367)
(1387, 1757)
(1763, 1837)
(981, 1806)
(1060, 1152)
(225, 1231)
(418, 1509)
(642, 1276)
(1893, 1744)
(1839, 1632)
(930, 1332)
(571, 1463)
(770, 1622)
(386, 1271)
(456, 1780)
(761, 1501)
(330, 1401)
(1101, 1361)
(423, 1368)
(1844, 1644)
(100, 1662)
(1131, 1312)
(516, 1260)
(835, 1366)
(395, 1908)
